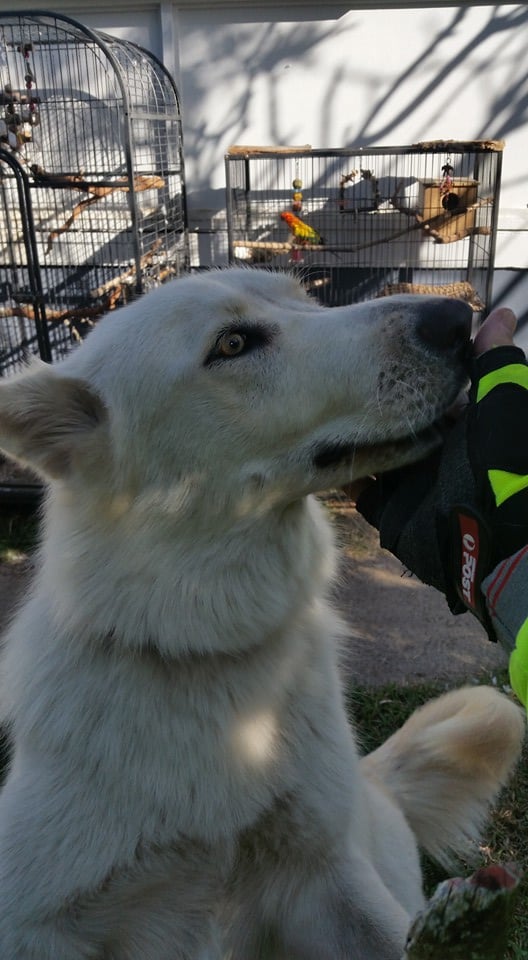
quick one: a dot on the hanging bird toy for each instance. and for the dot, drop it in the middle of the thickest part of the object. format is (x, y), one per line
(297, 183)
(449, 199)
(20, 110)
(297, 198)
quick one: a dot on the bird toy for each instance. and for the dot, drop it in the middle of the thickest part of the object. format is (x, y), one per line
(297, 183)
(20, 110)
(449, 199)
(297, 198)
(30, 81)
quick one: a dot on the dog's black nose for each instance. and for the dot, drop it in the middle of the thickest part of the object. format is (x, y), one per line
(445, 324)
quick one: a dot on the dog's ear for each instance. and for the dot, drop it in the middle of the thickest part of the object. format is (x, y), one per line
(46, 419)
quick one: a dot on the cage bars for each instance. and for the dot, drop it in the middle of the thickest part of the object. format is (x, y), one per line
(92, 199)
(418, 218)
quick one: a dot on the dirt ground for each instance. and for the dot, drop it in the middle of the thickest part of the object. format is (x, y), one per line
(401, 631)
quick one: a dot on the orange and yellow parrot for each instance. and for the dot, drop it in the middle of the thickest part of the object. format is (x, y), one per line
(302, 232)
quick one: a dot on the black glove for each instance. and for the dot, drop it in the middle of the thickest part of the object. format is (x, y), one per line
(451, 518)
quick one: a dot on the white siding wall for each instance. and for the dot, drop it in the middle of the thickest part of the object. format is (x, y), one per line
(360, 78)
(334, 75)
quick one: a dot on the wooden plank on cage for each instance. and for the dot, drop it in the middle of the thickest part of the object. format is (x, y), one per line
(463, 146)
(459, 289)
(241, 150)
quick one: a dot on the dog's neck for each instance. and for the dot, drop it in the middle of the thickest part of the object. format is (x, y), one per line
(204, 593)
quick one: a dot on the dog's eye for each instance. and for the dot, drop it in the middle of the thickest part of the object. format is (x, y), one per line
(230, 344)
(234, 342)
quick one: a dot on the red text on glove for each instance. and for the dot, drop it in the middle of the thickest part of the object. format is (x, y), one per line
(470, 553)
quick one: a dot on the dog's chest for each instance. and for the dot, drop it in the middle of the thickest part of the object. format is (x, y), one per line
(190, 748)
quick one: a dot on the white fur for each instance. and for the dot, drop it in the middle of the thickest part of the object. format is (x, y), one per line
(185, 782)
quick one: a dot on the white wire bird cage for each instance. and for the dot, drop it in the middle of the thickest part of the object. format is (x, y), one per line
(92, 186)
(362, 223)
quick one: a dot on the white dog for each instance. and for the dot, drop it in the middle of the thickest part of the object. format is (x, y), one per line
(184, 781)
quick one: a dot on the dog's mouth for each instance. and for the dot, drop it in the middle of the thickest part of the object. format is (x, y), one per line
(363, 459)
(332, 454)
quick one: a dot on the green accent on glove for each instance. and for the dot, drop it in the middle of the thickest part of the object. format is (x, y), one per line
(519, 665)
(513, 373)
(506, 485)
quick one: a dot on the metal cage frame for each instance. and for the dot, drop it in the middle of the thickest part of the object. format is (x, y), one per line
(420, 218)
(92, 182)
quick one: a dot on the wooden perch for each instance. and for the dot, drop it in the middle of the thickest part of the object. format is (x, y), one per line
(128, 276)
(432, 225)
(461, 235)
(273, 246)
(108, 294)
(77, 182)
(28, 312)
(429, 226)
(71, 316)
(466, 919)
(95, 192)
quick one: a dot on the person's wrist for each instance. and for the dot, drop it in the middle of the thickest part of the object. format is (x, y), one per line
(498, 357)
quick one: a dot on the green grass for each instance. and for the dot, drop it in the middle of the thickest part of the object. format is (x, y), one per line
(379, 712)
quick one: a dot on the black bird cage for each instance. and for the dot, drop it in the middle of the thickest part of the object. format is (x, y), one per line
(92, 186)
(370, 222)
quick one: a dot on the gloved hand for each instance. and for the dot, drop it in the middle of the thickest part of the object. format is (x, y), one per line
(451, 518)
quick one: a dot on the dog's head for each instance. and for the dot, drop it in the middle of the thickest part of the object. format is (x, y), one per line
(234, 384)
